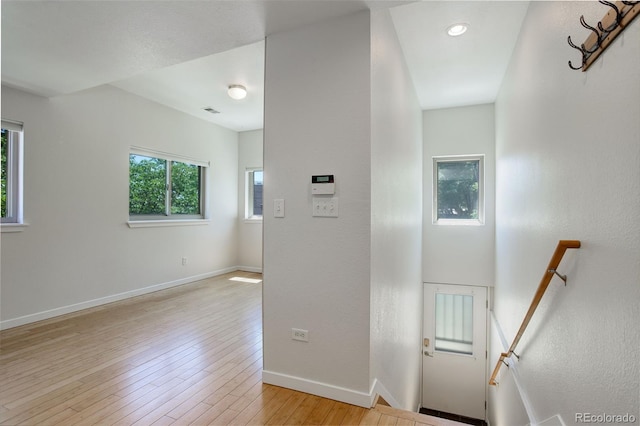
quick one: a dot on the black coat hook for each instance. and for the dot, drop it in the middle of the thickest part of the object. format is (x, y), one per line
(582, 52)
(595, 31)
(625, 11)
(614, 24)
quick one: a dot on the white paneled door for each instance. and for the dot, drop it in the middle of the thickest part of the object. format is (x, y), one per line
(454, 357)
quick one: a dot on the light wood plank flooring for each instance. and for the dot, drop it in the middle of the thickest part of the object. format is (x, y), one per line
(187, 355)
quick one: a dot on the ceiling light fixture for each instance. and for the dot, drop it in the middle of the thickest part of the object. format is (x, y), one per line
(237, 92)
(456, 30)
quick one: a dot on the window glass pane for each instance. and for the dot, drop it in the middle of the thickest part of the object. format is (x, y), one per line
(4, 150)
(454, 323)
(147, 185)
(458, 184)
(185, 188)
(257, 185)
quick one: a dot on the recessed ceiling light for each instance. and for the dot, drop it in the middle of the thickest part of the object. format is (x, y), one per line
(237, 91)
(456, 30)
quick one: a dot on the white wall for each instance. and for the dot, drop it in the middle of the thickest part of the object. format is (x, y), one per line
(316, 270)
(249, 231)
(78, 250)
(396, 221)
(459, 131)
(339, 100)
(568, 167)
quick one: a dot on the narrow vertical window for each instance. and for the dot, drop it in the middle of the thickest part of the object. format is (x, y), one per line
(11, 172)
(255, 181)
(458, 190)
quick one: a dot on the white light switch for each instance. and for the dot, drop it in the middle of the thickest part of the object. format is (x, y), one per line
(325, 207)
(278, 207)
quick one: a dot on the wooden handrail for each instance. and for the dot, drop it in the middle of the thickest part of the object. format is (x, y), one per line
(551, 270)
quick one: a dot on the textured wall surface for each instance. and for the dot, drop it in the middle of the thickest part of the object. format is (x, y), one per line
(396, 219)
(568, 167)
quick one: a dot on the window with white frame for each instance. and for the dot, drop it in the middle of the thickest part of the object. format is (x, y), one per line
(458, 190)
(164, 186)
(11, 174)
(253, 198)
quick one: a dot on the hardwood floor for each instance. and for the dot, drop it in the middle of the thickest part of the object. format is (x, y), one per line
(187, 355)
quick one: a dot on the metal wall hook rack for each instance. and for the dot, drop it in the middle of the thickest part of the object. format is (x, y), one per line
(606, 30)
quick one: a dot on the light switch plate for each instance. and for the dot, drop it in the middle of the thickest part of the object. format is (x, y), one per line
(325, 207)
(278, 207)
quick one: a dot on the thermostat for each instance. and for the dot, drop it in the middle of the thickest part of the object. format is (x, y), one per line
(322, 185)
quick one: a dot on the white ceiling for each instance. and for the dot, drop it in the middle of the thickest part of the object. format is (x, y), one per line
(456, 71)
(184, 54)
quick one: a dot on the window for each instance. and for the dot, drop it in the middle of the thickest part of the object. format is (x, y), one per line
(253, 203)
(454, 323)
(11, 174)
(458, 190)
(163, 186)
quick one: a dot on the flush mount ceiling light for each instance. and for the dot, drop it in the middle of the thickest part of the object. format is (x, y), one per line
(456, 30)
(237, 92)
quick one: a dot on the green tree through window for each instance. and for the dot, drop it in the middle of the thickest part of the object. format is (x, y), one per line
(147, 185)
(458, 189)
(185, 188)
(160, 187)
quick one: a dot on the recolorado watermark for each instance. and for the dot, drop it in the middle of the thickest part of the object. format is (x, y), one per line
(605, 418)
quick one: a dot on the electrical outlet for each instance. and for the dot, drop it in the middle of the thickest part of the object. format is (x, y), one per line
(299, 334)
(184, 261)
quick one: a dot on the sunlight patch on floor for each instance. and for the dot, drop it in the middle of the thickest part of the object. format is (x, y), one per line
(245, 280)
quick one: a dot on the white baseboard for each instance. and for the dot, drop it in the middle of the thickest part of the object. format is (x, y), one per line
(250, 269)
(324, 390)
(379, 389)
(39, 316)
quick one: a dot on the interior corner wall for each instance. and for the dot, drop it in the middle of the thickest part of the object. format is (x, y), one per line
(568, 167)
(250, 155)
(448, 132)
(396, 221)
(77, 250)
(316, 269)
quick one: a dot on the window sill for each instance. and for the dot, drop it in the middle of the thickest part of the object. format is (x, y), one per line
(257, 220)
(458, 222)
(165, 223)
(13, 227)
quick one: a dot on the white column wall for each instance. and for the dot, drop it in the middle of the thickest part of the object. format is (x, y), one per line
(317, 270)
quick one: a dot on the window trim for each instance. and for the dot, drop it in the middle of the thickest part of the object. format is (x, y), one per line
(145, 221)
(459, 158)
(155, 223)
(14, 222)
(248, 196)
